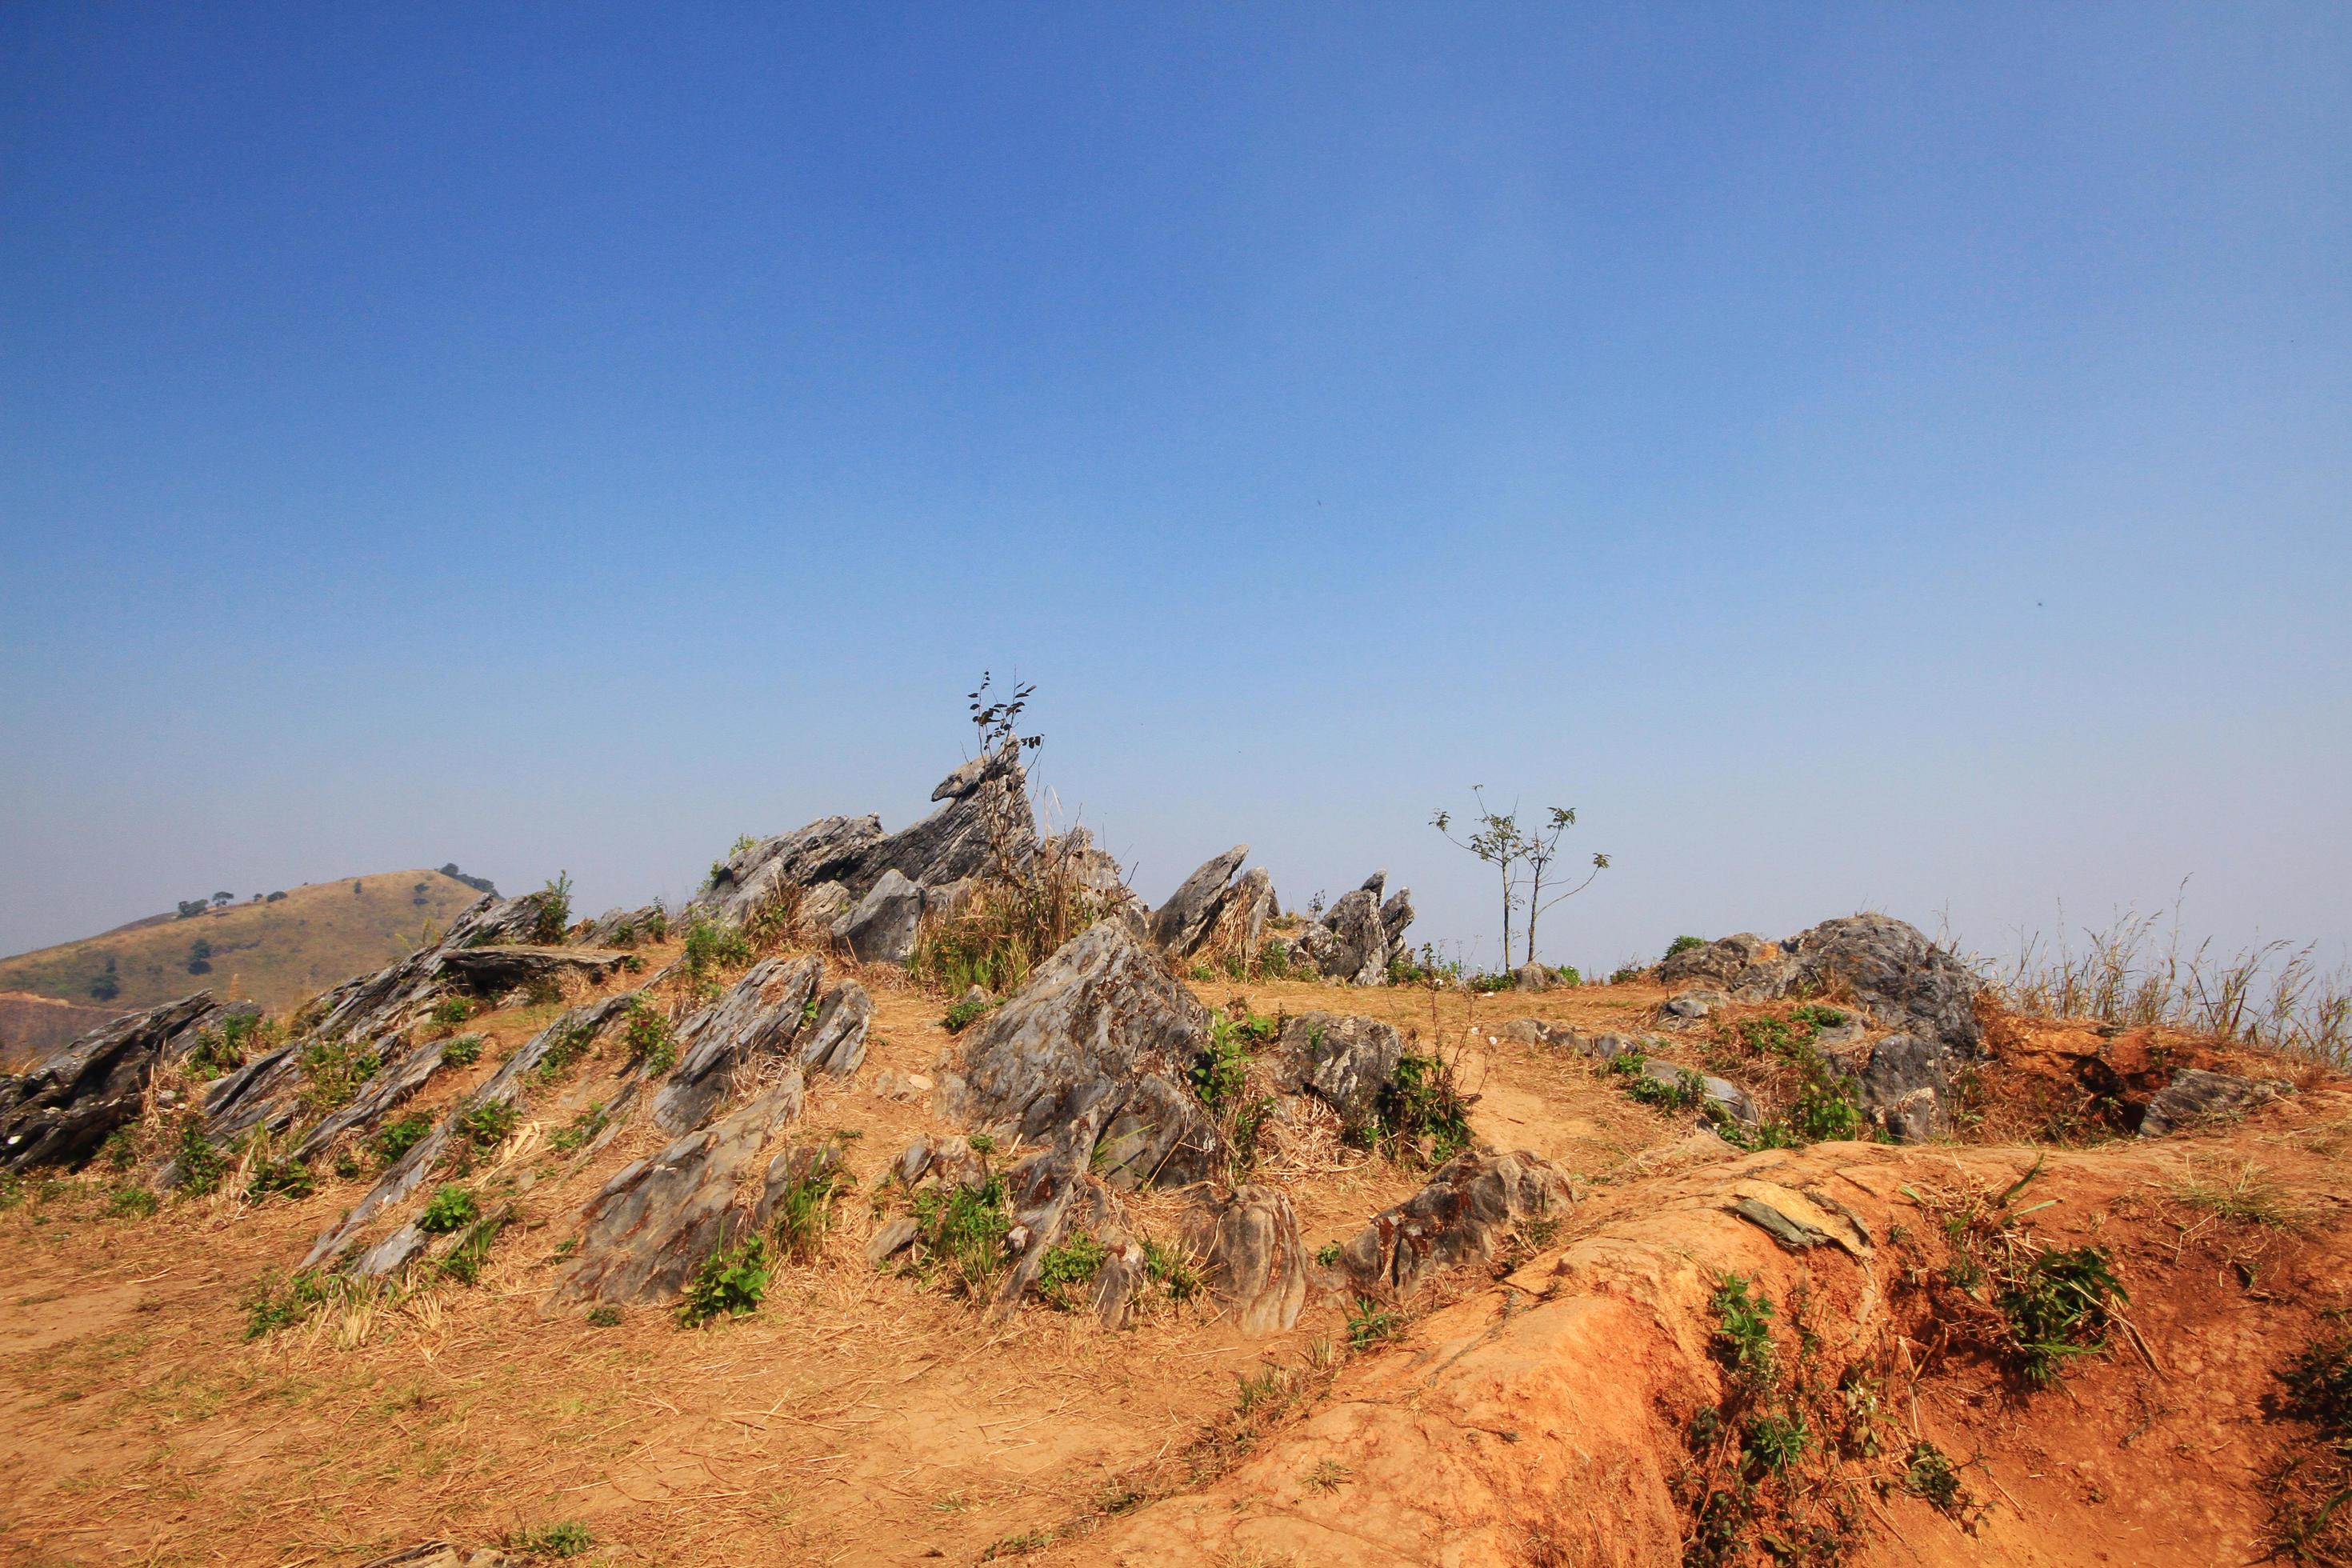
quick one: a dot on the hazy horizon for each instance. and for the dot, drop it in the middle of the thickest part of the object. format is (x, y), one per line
(1867, 458)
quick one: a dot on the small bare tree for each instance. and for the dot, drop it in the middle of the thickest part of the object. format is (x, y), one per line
(1522, 860)
(1543, 847)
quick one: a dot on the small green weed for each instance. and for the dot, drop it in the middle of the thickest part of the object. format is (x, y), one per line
(961, 1230)
(279, 1178)
(1172, 1271)
(1421, 1114)
(489, 1123)
(1743, 1333)
(566, 1538)
(804, 1210)
(1067, 1266)
(395, 1139)
(202, 1164)
(1371, 1324)
(452, 1011)
(464, 1261)
(130, 1203)
(968, 1012)
(449, 1208)
(732, 1281)
(652, 1047)
(553, 917)
(603, 1317)
(463, 1051)
(581, 1127)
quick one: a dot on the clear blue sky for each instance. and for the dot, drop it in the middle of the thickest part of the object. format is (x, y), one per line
(1882, 455)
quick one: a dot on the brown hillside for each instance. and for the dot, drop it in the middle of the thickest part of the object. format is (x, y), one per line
(1539, 1411)
(274, 953)
(32, 1027)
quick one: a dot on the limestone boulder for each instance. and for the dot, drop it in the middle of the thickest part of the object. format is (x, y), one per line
(1103, 1037)
(1254, 1263)
(60, 1111)
(650, 1227)
(1464, 1215)
(835, 1041)
(1180, 925)
(759, 1017)
(1343, 1061)
(493, 970)
(883, 927)
(2195, 1095)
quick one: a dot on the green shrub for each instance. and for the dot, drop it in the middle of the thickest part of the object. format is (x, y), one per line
(279, 1178)
(710, 946)
(464, 1261)
(1682, 944)
(968, 1012)
(130, 1203)
(332, 1072)
(452, 1011)
(1776, 1442)
(1743, 1334)
(650, 1042)
(463, 1051)
(1369, 1323)
(395, 1139)
(730, 1283)
(603, 1317)
(804, 1210)
(1067, 1266)
(581, 1129)
(269, 1307)
(1421, 1112)
(1170, 1269)
(961, 1230)
(489, 1123)
(567, 1538)
(1221, 1068)
(450, 1207)
(202, 1165)
(2057, 1309)
(553, 916)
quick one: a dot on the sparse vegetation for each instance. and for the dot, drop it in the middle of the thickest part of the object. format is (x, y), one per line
(449, 1208)
(2311, 1487)
(1371, 1324)
(395, 1139)
(1421, 1116)
(553, 916)
(463, 1051)
(464, 1261)
(960, 1233)
(968, 1012)
(652, 1045)
(566, 1538)
(1068, 1266)
(732, 1282)
(804, 1208)
(333, 1072)
(201, 1163)
(489, 1123)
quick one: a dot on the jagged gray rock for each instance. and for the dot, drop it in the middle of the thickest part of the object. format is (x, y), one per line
(1463, 1214)
(60, 1111)
(953, 843)
(1103, 1031)
(624, 928)
(761, 1015)
(1359, 935)
(1254, 1263)
(2195, 1095)
(650, 1227)
(1177, 925)
(750, 881)
(1696, 1003)
(493, 970)
(574, 1029)
(1343, 1061)
(1531, 977)
(882, 928)
(834, 1040)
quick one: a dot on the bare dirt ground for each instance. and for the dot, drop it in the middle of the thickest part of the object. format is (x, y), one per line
(868, 1419)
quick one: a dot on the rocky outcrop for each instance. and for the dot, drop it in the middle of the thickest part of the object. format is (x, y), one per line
(759, 1017)
(2195, 1095)
(624, 928)
(442, 1554)
(1101, 1039)
(1254, 1261)
(882, 928)
(1464, 1216)
(650, 1227)
(754, 878)
(835, 1041)
(496, 970)
(1179, 925)
(1359, 935)
(1343, 1061)
(572, 1031)
(59, 1112)
(953, 842)
(1695, 1004)
(1895, 976)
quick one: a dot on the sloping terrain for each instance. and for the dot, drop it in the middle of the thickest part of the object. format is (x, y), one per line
(32, 1027)
(1249, 1271)
(273, 953)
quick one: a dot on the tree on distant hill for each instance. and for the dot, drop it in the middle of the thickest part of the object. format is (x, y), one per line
(219, 898)
(480, 884)
(191, 908)
(200, 953)
(106, 987)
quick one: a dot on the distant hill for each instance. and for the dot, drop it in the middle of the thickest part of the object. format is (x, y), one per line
(275, 952)
(32, 1027)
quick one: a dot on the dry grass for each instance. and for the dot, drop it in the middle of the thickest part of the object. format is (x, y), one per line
(2274, 997)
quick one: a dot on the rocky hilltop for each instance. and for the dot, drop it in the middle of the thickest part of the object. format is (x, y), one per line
(927, 1193)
